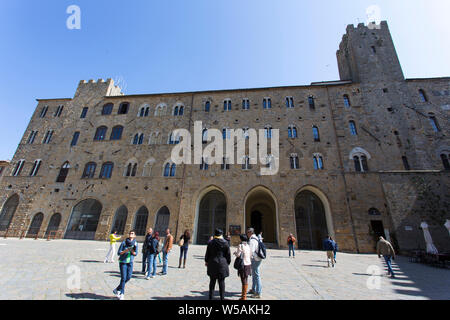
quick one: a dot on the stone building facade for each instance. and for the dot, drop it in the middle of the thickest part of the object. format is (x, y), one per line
(363, 156)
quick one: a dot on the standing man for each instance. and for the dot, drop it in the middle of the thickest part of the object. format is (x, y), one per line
(113, 237)
(168, 243)
(385, 249)
(127, 251)
(291, 244)
(328, 246)
(145, 253)
(256, 263)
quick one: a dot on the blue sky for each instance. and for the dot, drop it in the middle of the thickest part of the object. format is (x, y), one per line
(191, 45)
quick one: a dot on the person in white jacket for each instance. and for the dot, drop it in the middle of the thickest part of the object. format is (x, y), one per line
(244, 252)
(256, 263)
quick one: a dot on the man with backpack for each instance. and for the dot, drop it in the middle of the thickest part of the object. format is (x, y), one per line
(329, 246)
(258, 253)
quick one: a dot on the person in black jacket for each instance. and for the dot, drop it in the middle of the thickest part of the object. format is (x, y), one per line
(217, 259)
(148, 236)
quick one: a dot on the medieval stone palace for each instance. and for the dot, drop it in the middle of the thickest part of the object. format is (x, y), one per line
(359, 157)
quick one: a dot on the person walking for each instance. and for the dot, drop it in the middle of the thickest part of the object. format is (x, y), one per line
(243, 251)
(152, 252)
(335, 249)
(127, 251)
(148, 237)
(256, 264)
(385, 249)
(328, 246)
(184, 246)
(217, 260)
(113, 237)
(291, 244)
(168, 243)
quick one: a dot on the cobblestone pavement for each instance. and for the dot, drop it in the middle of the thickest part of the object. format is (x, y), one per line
(42, 270)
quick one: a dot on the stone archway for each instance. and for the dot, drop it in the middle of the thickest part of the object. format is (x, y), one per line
(35, 225)
(84, 220)
(261, 213)
(8, 210)
(312, 219)
(211, 214)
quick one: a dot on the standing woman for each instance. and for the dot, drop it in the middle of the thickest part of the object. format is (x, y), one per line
(186, 237)
(245, 254)
(217, 259)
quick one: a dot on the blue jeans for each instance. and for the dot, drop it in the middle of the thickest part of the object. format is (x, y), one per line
(126, 271)
(291, 247)
(151, 260)
(144, 261)
(256, 277)
(165, 262)
(183, 252)
(388, 262)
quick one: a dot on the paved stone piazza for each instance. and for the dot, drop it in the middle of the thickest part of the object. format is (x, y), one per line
(37, 270)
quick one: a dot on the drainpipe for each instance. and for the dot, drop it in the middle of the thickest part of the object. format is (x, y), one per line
(343, 173)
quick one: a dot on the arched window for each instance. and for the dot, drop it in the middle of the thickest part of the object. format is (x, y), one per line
(18, 169)
(423, 96)
(35, 225)
(147, 172)
(347, 101)
(352, 126)
(267, 103)
(8, 211)
(120, 220)
(374, 212)
(292, 131)
(311, 102)
(34, 171)
(173, 170)
(54, 223)
(107, 109)
(100, 134)
(175, 111)
(318, 162)
(123, 108)
(162, 220)
(63, 172)
(141, 139)
(106, 171)
(295, 164)
(445, 160)
(207, 106)
(289, 102)
(167, 170)
(136, 139)
(140, 221)
(245, 104)
(75, 137)
(227, 105)
(160, 110)
(434, 123)
(89, 170)
(116, 133)
(316, 134)
(360, 157)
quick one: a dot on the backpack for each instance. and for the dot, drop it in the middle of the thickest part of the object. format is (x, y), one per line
(261, 250)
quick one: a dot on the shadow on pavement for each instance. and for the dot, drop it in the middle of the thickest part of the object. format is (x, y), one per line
(91, 261)
(204, 295)
(89, 296)
(314, 265)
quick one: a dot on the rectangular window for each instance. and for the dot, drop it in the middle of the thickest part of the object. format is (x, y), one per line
(35, 169)
(48, 137)
(311, 102)
(59, 111)
(43, 112)
(18, 168)
(434, 124)
(74, 142)
(32, 137)
(84, 112)
(405, 163)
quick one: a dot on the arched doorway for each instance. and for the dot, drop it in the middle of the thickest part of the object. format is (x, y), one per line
(162, 221)
(84, 220)
(53, 225)
(140, 221)
(212, 214)
(311, 220)
(35, 225)
(261, 214)
(120, 220)
(8, 210)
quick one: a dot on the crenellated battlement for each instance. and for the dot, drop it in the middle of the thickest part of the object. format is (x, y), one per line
(99, 88)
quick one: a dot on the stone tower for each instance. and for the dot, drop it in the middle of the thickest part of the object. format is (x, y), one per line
(368, 55)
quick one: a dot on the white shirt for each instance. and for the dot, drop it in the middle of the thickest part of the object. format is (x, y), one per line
(244, 249)
(253, 243)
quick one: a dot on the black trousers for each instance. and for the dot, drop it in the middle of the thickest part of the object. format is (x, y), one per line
(144, 262)
(212, 286)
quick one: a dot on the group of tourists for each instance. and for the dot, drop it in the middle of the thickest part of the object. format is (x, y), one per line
(249, 255)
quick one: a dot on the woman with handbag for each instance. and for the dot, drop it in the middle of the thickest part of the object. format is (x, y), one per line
(243, 264)
(184, 245)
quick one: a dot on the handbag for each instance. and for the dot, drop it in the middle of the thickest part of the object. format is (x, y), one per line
(239, 263)
(181, 242)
